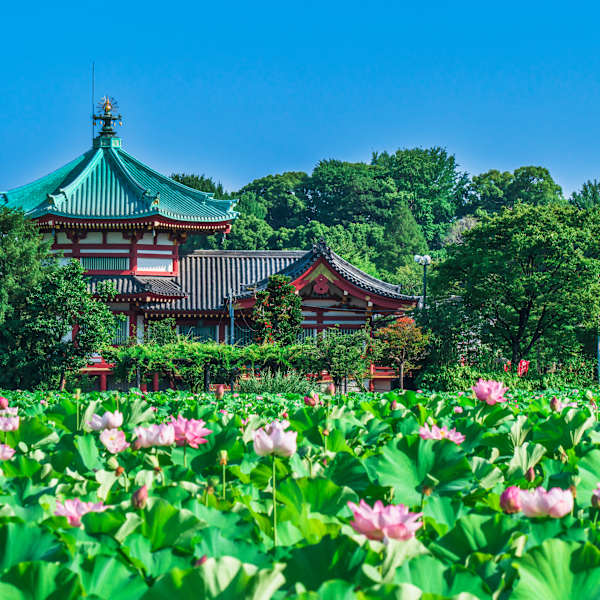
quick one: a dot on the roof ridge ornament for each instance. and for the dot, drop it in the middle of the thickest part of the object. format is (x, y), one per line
(105, 108)
(321, 247)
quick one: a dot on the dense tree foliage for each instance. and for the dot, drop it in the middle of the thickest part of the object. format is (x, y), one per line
(36, 349)
(494, 190)
(588, 196)
(277, 313)
(22, 257)
(529, 272)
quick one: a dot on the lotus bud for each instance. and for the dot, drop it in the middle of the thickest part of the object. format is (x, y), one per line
(530, 474)
(113, 463)
(137, 444)
(285, 415)
(325, 432)
(510, 500)
(309, 401)
(315, 397)
(201, 560)
(220, 392)
(555, 404)
(331, 389)
(224, 457)
(394, 405)
(596, 497)
(119, 471)
(78, 394)
(3, 403)
(140, 497)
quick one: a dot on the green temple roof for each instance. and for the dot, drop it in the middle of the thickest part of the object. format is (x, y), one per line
(107, 183)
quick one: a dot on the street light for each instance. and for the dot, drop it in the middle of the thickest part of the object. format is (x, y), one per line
(424, 260)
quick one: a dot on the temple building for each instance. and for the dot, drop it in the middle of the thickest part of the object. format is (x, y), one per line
(125, 223)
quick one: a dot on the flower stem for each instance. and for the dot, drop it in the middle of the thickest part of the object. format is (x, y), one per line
(224, 482)
(184, 456)
(274, 505)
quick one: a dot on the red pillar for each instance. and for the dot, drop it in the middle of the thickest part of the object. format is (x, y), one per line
(155, 382)
(102, 382)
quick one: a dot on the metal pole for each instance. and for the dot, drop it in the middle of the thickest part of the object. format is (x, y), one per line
(424, 285)
(231, 319)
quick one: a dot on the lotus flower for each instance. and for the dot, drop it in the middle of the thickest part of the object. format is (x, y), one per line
(114, 440)
(310, 401)
(9, 411)
(596, 497)
(490, 392)
(107, 421)
(189, 431)
(384, 522)
(220, 392)
(155, 435)
(6, 452)
(435, 433)
(3, 402)
(510, 500)
(9, 423)
(75, 509)
(140, 497)
(331, 389)
(273, 439)
(554, 503)
(458, 409)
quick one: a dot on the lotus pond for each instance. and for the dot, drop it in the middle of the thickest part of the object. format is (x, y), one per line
(377, 496)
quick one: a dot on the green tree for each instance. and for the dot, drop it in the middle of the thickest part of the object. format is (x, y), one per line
(528, 272)
(588, 196)
(277, 313)
(494, 190)
(340, 193)
(23, 254)
(403, 345)
(280, 197)
(35, 342)
(202, 183)
(429, 181)
(344, 354)
(248, 232)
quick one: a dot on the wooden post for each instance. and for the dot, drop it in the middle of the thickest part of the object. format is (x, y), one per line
(102, 382)
(155, 382)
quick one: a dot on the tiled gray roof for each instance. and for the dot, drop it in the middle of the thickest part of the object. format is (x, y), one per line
(131, 285)
(208, 276)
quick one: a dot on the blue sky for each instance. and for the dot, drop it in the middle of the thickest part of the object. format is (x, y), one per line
(240, 90)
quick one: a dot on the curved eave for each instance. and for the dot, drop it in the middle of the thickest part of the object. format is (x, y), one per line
(50, 221)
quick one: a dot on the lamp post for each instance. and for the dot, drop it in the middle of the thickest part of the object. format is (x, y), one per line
(424, 260)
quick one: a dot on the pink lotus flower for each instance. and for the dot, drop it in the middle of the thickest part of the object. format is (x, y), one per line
(107, 421)
(75, 509)
(6, 452)
(189, 431)
(458, 409)
(555, 503)
(331, 389)
(435, 433)
(273, 439)
(384, 522)
(309, 401)
(510, 500)
(9, 423)
(490, 392)
(596, 497)
(114, 440)
(3, 402)
(155, 435)
(9, 411)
